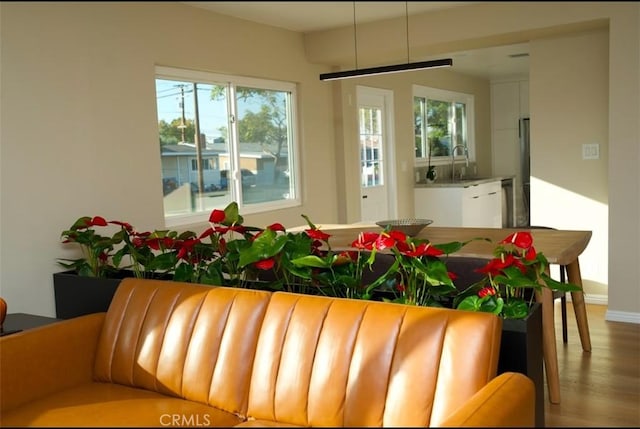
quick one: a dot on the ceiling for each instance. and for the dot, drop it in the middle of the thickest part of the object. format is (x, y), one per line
(490, 63)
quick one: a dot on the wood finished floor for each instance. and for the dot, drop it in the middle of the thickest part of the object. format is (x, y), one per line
(601, 388)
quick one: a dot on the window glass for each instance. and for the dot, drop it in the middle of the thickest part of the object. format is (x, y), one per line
(223, 139)
(442, 122)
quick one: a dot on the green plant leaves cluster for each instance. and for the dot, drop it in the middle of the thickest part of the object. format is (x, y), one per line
(232, 254)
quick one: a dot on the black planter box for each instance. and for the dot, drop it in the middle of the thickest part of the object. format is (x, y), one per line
(78, 295)
(521, 351)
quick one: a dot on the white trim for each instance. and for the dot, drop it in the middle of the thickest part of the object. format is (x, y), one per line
(622, 316)
(593, 299)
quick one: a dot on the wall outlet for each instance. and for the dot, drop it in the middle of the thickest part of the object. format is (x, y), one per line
(591, 151)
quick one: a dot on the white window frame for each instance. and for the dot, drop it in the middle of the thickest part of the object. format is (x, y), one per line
(164, 72)
(454, 97)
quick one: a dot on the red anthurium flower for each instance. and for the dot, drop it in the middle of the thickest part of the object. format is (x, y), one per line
(221, 229)
(96, 221)
(103, 257)
(224, 229)
(154, 243)
(317, 234)
(168, 242)
(493, 267)
(265, 264)
(365, 240)
(186, 247)
(398, 235)
(400, 288)
(531, 254)
(137, 241)
(486, 291)
(276, 227)
(521, 239)
(240, 229)
(217, 216)
(384, 241)
(424, 249)
(141, 234)
(206, 233)
(452, 276)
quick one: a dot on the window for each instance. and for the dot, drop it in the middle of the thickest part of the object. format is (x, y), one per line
(207, 164)
(443, 121)
(222, 139)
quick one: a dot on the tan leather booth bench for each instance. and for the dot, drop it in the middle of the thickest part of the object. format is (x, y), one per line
(180, 354)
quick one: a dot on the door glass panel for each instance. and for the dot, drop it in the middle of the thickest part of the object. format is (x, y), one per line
(371, 153)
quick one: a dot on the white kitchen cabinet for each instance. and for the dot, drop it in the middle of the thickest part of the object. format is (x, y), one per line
(465, 204)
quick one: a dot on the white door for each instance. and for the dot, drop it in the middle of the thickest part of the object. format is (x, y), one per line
(375, 140)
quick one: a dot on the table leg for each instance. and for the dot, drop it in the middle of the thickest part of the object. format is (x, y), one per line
(545, 296)
(577, 299)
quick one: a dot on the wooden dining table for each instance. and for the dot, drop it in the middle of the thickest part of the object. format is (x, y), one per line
(561, 247)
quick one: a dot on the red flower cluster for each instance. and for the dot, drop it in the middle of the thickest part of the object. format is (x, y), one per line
(397, 239)
(508, 257)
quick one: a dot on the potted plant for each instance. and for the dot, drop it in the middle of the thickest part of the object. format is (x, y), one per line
(510, 278)
(90, 281)
(506, 289)
(416, 276)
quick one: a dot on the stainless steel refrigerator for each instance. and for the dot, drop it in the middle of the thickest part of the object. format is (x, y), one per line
(524, 218)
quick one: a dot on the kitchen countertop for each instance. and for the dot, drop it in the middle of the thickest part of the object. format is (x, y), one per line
(470, 181)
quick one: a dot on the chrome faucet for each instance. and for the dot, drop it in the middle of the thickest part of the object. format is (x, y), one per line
(453, 158)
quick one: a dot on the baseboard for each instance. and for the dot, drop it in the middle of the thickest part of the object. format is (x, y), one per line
(593, 299)
(622, 316)
(610, 316)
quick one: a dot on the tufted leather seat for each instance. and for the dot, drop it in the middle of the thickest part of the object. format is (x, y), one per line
(179, 354)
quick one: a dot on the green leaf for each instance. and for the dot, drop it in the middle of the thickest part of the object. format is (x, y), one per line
(232, 215)
(265, 246)
(470, 303)
(556, 285)
(163, 262)
(183, 273)
(311, 261)
(80, 223)
(515, 309)
(488, 304)
(311, 225)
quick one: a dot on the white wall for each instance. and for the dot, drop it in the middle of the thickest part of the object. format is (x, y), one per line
(567, 191)
(79, 126)
(609, 198)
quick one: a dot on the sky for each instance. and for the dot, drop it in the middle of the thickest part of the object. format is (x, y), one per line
(212, 113)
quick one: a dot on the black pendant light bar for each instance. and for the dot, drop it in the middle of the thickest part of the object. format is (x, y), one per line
(346, 74)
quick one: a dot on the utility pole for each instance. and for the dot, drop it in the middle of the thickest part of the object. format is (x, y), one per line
(183, 120)
(196, 139)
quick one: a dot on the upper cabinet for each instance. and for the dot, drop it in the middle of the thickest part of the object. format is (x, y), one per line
(509, 103)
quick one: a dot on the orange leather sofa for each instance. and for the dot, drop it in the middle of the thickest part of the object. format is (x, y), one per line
(179, 354)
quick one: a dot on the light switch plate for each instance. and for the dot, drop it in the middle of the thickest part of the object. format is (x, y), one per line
(591, 151)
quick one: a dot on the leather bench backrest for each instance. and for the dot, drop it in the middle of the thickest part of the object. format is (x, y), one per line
(324, 362)
(185, 340)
